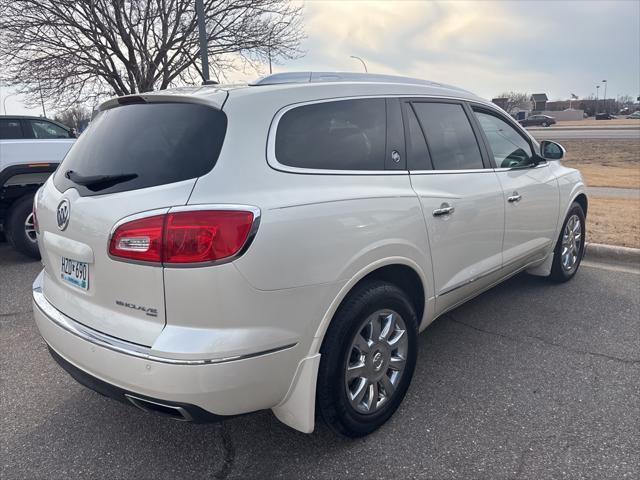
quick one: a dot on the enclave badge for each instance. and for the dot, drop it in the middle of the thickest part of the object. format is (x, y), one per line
(62, 215)
(151, 312)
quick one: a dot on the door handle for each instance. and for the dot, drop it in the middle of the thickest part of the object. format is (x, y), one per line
(445, 209)
(515, 197)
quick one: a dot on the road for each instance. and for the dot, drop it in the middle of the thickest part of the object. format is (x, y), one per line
(559, 133)
(528, 381)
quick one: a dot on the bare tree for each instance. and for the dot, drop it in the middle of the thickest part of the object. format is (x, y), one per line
(76, 117)
(81, 50)
(514, 100)
(624, 100)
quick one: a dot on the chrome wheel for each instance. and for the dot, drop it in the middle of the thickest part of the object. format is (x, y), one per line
(571, 243)
(30, 228)
(376, 361)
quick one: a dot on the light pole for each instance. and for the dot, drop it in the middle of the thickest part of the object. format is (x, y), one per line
(273, 27)
(202, 34)
(4, 102)
(363, 64)
(44, 112)
(596, 109)
(606, 107)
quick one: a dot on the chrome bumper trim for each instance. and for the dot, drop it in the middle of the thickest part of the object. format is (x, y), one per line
(128, 348)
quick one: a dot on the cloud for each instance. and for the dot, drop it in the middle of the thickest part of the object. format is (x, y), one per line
(486, 47)
(483, 46)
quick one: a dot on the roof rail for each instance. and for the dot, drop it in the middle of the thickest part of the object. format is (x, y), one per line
(319, 77)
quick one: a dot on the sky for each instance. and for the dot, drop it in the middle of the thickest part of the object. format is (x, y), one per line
(487, 47)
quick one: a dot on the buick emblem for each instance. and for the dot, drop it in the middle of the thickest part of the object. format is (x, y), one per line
(62, 215)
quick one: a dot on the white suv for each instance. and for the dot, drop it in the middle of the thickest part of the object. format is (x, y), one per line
(30, 150)
(218, 250)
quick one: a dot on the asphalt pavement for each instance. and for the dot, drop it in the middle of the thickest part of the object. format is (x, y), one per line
(528, 381)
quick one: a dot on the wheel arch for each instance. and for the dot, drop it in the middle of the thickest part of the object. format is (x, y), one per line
(402, 272)
(581, 199)
(297, 409)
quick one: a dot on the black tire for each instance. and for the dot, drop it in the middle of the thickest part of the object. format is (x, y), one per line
(334, 407)
(559, 273)
(14, 227)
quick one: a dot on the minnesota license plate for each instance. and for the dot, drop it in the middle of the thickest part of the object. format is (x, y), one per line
(74, 272)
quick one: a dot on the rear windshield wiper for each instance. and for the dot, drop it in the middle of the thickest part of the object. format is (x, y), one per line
(99, 182)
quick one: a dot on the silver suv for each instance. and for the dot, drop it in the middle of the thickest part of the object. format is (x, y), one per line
(218, 250)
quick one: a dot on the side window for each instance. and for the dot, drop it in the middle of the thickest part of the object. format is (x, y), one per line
(340, 135)
(417, 153)
(509, 148)
(10, 129)
(450, 138)
(44, 129)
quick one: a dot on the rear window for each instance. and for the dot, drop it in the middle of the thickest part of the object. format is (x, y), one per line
(450, 138)
(143, 145)
(10, 129)
(340, 135)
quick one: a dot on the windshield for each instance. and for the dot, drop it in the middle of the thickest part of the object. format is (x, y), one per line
(143, 145)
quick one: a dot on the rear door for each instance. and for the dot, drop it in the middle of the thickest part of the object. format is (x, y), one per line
(461, 198)
(530, 190)
(132, 159)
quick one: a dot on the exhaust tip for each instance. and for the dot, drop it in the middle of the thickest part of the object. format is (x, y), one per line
(171, 411)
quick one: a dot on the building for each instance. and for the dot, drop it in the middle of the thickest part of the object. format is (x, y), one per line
(539, 101)
(500, 102)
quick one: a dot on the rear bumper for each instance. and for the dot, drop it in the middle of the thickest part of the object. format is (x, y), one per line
(177, 410)
(222, 386)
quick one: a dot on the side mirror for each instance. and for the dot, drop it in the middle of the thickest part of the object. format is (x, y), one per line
(551, 150)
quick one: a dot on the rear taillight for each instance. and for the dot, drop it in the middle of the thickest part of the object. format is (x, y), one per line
(139, 239)
(198, 236)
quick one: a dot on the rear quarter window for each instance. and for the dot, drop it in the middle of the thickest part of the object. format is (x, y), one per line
(157, 143)
(336, 135)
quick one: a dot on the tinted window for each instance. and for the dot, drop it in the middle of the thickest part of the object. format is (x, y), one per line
(452, 144)
(10, 129)
(157, 143)
(416, 144)
(341, 135)
(508, 147)
(44, 129)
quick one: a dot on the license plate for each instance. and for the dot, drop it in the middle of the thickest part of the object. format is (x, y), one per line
(74, 272)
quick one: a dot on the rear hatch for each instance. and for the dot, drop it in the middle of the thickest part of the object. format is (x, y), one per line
(134, 158)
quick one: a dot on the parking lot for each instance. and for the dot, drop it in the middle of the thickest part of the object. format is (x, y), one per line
(528, 381)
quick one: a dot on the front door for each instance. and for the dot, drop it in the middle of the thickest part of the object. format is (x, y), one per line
(531, 197)
(461, 198)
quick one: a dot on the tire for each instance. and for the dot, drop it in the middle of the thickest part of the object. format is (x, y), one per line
(15, 228)
(545, 124)
(559, 271)
(372, 302)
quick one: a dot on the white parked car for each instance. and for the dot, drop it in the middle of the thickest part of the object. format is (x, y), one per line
(30, 150)
(214, 251)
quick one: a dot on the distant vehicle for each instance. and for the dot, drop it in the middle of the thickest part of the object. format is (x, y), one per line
(30, 150)
(605, 116)
(635, 115)
(538, 121)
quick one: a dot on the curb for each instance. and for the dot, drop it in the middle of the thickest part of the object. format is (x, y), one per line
(611, 253)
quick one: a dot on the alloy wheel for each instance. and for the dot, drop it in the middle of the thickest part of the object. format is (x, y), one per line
(30, 228)
(376, 361)
(571, 243)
